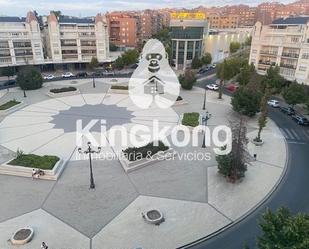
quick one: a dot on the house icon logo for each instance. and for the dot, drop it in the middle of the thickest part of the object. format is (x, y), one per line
(154, 81)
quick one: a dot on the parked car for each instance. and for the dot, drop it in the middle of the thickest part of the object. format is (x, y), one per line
(202, 70)
(232, 87)
(81, 74)
(96, 74)
(214, 66)
(49, 77)
(273, 103)
(9, 83)
(214, 87)
(300, 119)
(288, 110)
(67, 75)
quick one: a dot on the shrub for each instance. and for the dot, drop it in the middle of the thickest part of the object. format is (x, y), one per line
(29, 78)
(118, 87)
(9, 104)
(196, 63)
(137, 153)
(191, 119)
(63, 89)
(35, 161)
(187, 80)
(179, 98)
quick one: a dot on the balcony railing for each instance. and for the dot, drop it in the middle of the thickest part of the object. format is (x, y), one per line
(268, 52)
(290, 55)
(267, 63)
(290, 66)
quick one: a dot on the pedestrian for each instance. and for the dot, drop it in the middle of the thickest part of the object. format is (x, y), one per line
(44, 246)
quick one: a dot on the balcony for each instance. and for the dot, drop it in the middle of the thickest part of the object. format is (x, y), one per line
(289, 66)
(269, 52)
(290, 55)
(267, 63)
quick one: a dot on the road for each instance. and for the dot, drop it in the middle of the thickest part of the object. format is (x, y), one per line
(292, 192)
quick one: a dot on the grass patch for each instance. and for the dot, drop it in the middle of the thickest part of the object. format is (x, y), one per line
(120, 87)
(9, 104)
(35, 161)
(63, 89)
(191, 119)
(137, 153)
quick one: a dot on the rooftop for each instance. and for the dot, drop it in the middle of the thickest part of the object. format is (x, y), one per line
(291, 20)
(12, 19)
(68, 19)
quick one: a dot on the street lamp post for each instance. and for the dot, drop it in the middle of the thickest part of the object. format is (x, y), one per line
(93, 82)
(204, 104)
(204, 122)
(90, 151)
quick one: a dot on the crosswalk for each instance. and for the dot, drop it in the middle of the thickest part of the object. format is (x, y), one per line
(296, 135)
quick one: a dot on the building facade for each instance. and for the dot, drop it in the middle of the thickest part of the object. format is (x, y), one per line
(76, 40)
(122, 29)
(285, 43)
(188, 31)
(228, 21)
(20, 41)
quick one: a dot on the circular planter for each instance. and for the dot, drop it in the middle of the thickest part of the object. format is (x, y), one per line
(257, 143)
(22, 236)
(153, 216)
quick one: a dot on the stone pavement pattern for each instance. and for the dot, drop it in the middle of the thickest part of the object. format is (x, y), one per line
(195, 200)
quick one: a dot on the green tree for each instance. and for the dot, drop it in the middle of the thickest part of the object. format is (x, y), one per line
(248, 41)
(245, 74)
(294, 94)
(246, 102)
(282, 230)
(274, 80)
(206, 59)
(57, 13)
(94, 63)
(127, 58)
(112, 47)
(187, 80)
(8, 72)
(29, 78)
(262, 121)
(196, 63)
(234, 46)
(307, 105)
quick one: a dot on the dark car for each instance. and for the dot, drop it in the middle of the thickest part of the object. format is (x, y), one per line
(203, 70)
(81, 74)
(300, 120)
(288, 110)
(10, 83)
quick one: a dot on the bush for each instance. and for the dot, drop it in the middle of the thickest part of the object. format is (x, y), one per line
(234, 46)
(35, 161)
(137, 153)
(29, 78)
(294, 94)
(63, 89)
(196, 63)
(191, 119)
(179, 98)
(118, 87)
(187, 80)
(9, 104)
(246, 102)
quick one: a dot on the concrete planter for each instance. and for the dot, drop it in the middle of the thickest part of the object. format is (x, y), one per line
(63, 94)
(22, 236)
(257, 143)
(118, 91)
(129, 166)
(180, 102)
(153, 216)
(12, 109)
(13, 170)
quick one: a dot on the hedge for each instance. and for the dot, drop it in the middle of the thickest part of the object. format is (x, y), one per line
(9, 104)
(191, 119)
(135, 153)
(120, 87)
(35, 161)
(63, 89)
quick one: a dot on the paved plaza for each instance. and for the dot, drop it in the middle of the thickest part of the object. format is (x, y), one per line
(195, 200)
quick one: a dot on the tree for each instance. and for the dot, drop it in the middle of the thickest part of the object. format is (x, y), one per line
(8, 72)
(245, 74)
(112, 47)
(307, 105)
(262, 121)
(127, 58)
(57, 13)
(246, 102)
(187, 80)
(274, 80)
(206, 59)
(196, 63)
(234, 46)
(234, 165)
(29, 78)
(281, 230)
(248, 41)
(94, 63)
(294, 94)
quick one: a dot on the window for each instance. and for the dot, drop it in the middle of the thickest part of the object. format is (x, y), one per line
(302, 68)
(305, 56)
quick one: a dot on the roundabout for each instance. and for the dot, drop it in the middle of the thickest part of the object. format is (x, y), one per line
(195, 201)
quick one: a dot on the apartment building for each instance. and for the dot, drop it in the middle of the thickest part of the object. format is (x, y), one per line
(76, 40)
(149, 22)
(284, 42)
(20, 41)
(122, 29)
(218, 21)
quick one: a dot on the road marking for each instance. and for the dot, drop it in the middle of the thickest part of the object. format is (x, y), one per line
(295, 134)
(283, 132)
(306, 133)
(289, 134)
(295, 142)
